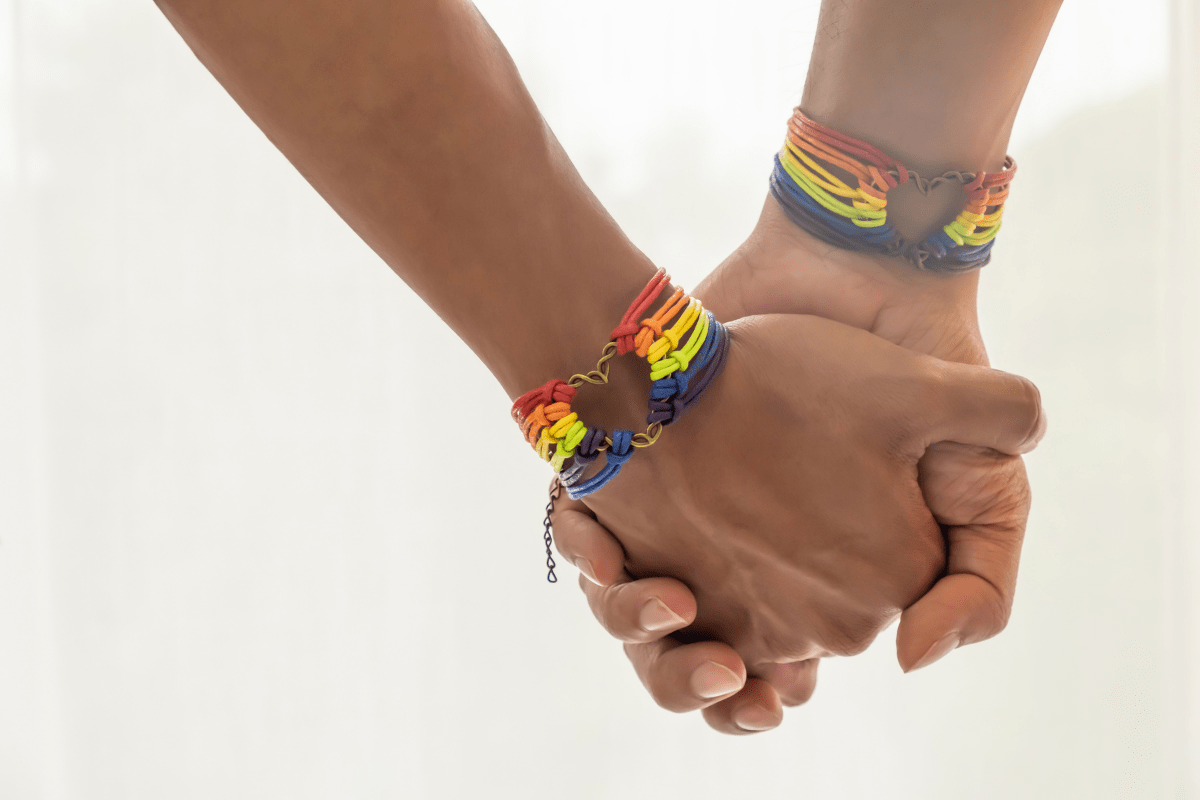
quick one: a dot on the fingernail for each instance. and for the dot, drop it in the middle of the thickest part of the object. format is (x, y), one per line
(754, 718)
(938, 649)
(713, 680)
(585, 566)
(655, 616)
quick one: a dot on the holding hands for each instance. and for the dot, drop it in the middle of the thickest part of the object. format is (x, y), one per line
(806, 504)
(923, 513)
(857, 461)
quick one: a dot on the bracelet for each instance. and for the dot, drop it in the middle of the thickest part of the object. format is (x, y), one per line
(806, 181)
(671, 394)
(681, 370)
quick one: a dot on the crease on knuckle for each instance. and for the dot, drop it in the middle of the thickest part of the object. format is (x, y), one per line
(656, 683)
(853, 635)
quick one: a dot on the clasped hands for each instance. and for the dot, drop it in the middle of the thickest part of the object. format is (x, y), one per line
(857, 462)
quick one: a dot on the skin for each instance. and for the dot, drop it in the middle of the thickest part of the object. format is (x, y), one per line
(979, 496)
(410, 119)
(892, 75)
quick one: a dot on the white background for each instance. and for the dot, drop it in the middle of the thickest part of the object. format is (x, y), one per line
(238, 557)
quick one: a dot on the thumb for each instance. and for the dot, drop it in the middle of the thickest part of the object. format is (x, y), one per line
(973, 600)
(961, 608)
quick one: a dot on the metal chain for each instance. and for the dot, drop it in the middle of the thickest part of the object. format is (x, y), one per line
(913, 251)
(599, 375)
(555, 490)
(926, 185)
(644, 439)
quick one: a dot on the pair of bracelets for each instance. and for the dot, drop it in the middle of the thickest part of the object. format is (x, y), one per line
(836, 188)
(682, 370)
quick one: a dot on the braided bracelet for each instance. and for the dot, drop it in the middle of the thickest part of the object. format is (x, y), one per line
(852, 215)
(674, 392)
(681, 370)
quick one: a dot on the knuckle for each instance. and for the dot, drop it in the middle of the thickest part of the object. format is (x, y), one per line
(600, 605)
(622, 609)
(564, 545)
(657, 683)
(849, 646)
(1035, 418)
(776, 644)
(797, 696)
(853, 635)
(999, 613)
(990, 616)
(797, 689)
(617, 608)
(608, 611)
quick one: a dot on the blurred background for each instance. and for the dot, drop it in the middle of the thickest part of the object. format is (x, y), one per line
(231, 565)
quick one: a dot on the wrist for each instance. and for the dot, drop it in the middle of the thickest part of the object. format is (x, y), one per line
(585, 344)
(781, 268)
(686, 349)
(567, 336)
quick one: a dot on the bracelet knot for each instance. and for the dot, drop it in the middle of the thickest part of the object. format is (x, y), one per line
(621, 449)
(665, 412)
(675, 383)
(623, 335)
(553, 391)
(680, 375)
(652, 325)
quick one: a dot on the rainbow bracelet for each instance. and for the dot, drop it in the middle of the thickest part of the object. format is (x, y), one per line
(672, 393)
(809, 181)
(686, 348)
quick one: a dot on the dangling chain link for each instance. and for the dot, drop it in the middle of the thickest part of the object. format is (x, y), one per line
(555, 491)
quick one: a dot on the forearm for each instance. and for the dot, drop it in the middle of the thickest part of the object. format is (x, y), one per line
(411, 121)
(935, 83)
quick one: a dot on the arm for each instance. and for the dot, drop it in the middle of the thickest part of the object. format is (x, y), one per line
(935, 83)
(410, 119)
(413, 124)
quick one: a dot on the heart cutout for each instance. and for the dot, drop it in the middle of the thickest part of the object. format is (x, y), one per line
(919, 207)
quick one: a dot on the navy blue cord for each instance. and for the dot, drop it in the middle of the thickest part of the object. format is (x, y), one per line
(614, 458)
(670, 396)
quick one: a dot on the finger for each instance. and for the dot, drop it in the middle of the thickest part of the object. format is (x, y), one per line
(972, 602)
(983, 406)
(756, 708)
(587, 544)
(684, 677)
(795, 682)
(642, 610)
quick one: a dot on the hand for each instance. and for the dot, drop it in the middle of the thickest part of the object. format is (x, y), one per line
(981, 497)
(643, 613)
(813, 549)
(781, 269)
